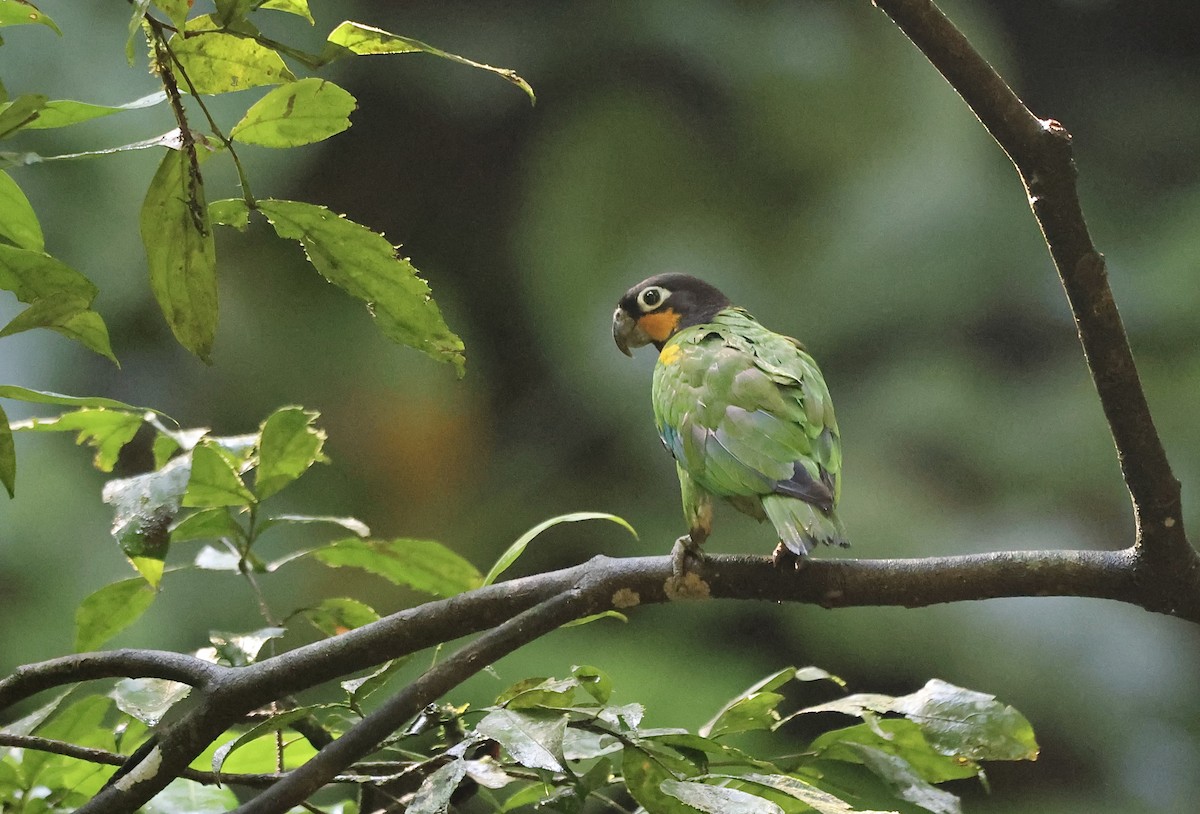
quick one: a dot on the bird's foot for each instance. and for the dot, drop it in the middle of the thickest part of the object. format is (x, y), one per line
(684, 549)
(784, 557)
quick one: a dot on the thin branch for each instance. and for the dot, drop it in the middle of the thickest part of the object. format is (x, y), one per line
(107, 758)
(366, 736)
(34, 678)
(1041, 151)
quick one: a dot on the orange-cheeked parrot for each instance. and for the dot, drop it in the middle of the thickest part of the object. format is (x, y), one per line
(744, 411)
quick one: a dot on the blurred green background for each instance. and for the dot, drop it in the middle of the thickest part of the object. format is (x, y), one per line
(802, 156)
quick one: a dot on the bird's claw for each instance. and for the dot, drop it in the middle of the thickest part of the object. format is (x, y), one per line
(783, 557)
(683, 549)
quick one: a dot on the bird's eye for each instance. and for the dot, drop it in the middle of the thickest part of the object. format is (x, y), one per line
(652, 297)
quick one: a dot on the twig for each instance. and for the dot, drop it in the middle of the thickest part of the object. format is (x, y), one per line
(1041, 151)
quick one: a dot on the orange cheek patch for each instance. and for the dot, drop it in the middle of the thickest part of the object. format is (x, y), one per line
(660, 325)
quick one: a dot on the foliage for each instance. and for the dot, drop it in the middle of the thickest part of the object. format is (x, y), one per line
(546, 742)
(550, 743)
(213, 55)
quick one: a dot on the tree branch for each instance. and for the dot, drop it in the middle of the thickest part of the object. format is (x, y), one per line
(1041, 151)
(34, 678)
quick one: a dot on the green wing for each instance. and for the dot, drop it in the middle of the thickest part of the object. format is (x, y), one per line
(747, 415)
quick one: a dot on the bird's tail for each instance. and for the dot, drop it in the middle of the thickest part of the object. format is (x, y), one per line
(802, 525)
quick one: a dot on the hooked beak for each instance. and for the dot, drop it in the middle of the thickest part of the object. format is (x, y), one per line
(626, 332)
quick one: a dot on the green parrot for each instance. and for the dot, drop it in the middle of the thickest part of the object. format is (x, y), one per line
(744, 411)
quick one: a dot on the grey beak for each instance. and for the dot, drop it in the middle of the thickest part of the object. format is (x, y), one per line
(622, 327)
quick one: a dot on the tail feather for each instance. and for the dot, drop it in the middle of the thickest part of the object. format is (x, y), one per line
(802, 525)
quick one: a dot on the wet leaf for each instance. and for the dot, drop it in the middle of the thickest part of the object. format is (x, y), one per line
(148, 699)
(533, 740)
(718, 799)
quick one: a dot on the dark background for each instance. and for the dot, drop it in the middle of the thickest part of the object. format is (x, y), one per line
(801, 155)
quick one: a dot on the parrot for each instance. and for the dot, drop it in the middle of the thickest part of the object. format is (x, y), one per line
(744, 411)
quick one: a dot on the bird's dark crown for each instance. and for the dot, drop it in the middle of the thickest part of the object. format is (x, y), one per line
(694, 300)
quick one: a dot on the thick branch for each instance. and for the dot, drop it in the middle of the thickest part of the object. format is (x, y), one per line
(1041, 151)
(559, 596)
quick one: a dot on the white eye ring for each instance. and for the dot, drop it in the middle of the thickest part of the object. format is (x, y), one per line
(651, 298)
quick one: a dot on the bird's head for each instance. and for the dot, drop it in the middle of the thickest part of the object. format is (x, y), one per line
(654, 309)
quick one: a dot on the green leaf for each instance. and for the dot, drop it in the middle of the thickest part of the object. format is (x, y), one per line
(539, 692)
(215, 480)
(68, 315)
(11, 391)
(190, 797)
(233, 11)
(258, 756)
(276, 723)
(8, 456)
(364, 264)
(303, 112)
(290, 445)
(595, 682)
(595, 617)
(900, 737)
(718, 799)
(108, 611)
(645, 771)
(206, 524)
(956, 721)
(753, 709)
(361, 40)
(163, 448)
(145, 505)
(65, 112)
(148, 699)
(177, 235)
(695, 744)
(176, 10)
(218, 62)
(18, 222)
(233, 212)
(421, 564)
(80, 723)
(817, 799)
(533, 740)
(22, 12)
(516, 549)
(20, 112)
(337, 615)
(360, 689)
(108, 431)
(297, 7)
(433, 797)
(59, 298)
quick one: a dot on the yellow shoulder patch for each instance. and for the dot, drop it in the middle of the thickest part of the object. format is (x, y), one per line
(670, 355)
